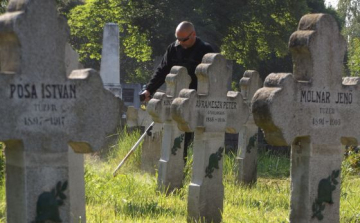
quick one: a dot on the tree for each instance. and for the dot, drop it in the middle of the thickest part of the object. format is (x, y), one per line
(349, 12)
(87, 22)
(3, 5)
(254, 33)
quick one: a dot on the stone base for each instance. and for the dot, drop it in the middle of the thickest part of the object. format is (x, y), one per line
(150, 153)
(247, 155)
(315, 182)
(206, 190)
(171, 164)
(31, 179)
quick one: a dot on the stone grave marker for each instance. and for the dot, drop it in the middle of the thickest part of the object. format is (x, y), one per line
(71, 60)
(130, 94)
(247, 150)
(209, 112)
(76, 160)
(110, 59)
(171, 163)
(43, 111)
(151, 146)
(314, 111)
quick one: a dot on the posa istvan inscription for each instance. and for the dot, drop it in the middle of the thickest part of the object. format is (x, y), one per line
(39, 113)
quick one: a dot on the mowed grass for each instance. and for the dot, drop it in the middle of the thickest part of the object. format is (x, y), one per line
(133, 197)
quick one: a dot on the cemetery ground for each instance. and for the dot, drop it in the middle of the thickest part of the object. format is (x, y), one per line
(133, 196)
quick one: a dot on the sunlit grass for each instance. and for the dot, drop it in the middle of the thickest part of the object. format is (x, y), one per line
(132, 196)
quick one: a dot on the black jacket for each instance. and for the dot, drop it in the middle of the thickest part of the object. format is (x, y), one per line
(175, 55)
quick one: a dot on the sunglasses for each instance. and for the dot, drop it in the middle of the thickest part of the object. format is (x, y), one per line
(184, 39)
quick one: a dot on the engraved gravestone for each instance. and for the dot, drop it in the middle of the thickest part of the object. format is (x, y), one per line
(247, 149)
(151, 146)
(171, 163)
(209, 112)
(315, 112)
(43, 111)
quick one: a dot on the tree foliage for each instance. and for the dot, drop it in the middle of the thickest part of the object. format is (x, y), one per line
(353, 62)
(349, 12)
(3, 5)
(87, 22)
(253, 33)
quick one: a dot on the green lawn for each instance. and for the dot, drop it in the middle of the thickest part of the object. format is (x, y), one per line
(132, 196)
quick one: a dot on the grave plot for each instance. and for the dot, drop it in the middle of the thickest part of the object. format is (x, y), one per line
(43, 112)
(171, 164)
(313, 110)
(248, 148)
(209, 112)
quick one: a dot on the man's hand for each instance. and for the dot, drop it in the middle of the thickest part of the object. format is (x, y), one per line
(146, 94)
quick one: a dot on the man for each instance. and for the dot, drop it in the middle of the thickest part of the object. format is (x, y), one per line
(187, 51)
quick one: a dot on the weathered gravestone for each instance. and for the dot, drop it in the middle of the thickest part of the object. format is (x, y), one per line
(247, 149)
(110, 59)
(151, 146)
(71, 60)
(76, 160)
(315, 112)
(209, 112)
(130, 94)
(171, 164)
(43, 111)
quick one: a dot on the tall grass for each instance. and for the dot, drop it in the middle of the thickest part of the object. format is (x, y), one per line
(132, 196)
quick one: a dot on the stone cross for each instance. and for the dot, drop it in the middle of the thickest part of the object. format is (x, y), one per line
(151, 146)
(171, 164)
(43, 111)
(314, 111)
(209, 112)
(76, 160)
(247, 149)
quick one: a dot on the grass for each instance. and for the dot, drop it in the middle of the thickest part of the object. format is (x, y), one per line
(132, 196)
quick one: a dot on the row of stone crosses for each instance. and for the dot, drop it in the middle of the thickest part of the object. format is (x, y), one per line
(47, 115)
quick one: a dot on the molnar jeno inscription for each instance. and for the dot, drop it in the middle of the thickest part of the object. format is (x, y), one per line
(326, 97)
(45, 91)
(326, 116)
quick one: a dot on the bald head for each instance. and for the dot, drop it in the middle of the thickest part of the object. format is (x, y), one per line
(185, 34)
(185, 26)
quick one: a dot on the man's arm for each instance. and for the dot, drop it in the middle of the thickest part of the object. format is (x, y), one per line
(159, 76)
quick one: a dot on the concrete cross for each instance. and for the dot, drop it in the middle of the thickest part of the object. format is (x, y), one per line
(151, 145)
(247, 149)
(43, 111)
(171, 164)
(209, 112)
(314, 111)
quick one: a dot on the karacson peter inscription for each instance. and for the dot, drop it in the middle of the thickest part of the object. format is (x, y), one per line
(326, 97)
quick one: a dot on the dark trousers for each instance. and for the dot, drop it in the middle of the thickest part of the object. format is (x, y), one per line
(189, 138)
